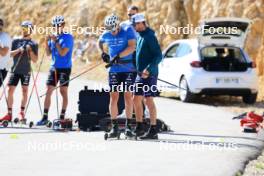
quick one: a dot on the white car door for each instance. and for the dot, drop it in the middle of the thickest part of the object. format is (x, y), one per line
(175, 63)
(168, 66)
(183, 57)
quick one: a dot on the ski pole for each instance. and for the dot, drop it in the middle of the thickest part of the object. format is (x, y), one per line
(18, 61)
(4, 88)
(3, 93)
(115, 61)
(161, 80)
(77, 76)
(57, 96)
(35, 86)
(14, 68)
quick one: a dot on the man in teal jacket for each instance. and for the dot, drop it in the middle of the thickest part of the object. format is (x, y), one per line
(148, 56)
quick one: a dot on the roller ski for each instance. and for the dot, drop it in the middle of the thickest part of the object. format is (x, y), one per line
(114, 133)
(6, 120)
(43, 122)
(129, 133)
(139, 131)
(63, 125)
(152, 134)
(21, 119)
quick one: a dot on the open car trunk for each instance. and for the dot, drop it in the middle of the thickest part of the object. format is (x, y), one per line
(223, 59)
(224, 31)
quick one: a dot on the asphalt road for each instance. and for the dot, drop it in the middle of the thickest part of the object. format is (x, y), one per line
(205, 141)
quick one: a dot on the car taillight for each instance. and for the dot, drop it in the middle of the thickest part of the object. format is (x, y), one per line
(196, 64)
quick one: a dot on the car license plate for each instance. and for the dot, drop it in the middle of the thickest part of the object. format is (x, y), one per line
(227, 80)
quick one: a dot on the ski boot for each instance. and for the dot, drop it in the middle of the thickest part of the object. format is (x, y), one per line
(128, 132)
(151, 134)
(44, 122)
(114, 133)
(4, 121)
(21, 118)
(139, 131)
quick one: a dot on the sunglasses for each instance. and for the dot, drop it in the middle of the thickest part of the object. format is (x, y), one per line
(130, 14)
(110, 28)
(57, 25)
(134, 24)
(26, 28)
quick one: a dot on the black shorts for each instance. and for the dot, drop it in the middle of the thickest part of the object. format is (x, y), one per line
(146, 87)
(3, 74)
(15, 78)
(121, 82)
(61, 75)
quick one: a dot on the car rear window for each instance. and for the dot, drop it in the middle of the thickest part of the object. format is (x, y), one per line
(223, 59)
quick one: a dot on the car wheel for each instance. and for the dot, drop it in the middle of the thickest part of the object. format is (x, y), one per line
(184, 92)
(250, 98)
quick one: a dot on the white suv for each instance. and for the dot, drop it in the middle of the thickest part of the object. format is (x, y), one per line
(213, 64)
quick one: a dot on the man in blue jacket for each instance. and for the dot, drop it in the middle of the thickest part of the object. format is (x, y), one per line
(148, 56)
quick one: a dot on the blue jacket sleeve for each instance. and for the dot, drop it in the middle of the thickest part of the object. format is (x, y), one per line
(155, 52)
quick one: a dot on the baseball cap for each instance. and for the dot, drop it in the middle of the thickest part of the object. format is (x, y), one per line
(139, 17)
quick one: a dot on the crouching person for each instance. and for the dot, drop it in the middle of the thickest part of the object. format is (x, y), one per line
(148, 56)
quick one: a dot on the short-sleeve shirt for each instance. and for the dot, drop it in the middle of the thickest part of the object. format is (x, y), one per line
(118, 43)
(129, 24)
(22, 63)
(65, 40)
(6, 41)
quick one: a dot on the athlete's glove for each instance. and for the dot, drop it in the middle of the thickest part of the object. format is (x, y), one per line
(105, 57)
(116, 59)
(113, 61)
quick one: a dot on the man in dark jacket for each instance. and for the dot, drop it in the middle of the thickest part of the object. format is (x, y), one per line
(148, 56)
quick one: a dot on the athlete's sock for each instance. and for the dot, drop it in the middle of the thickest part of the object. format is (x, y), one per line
(22, 109)
(45, 114)
(62, 115)
(114, 123)
(139, 125)
(9, 111)
(153, 129)
(128, 122)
